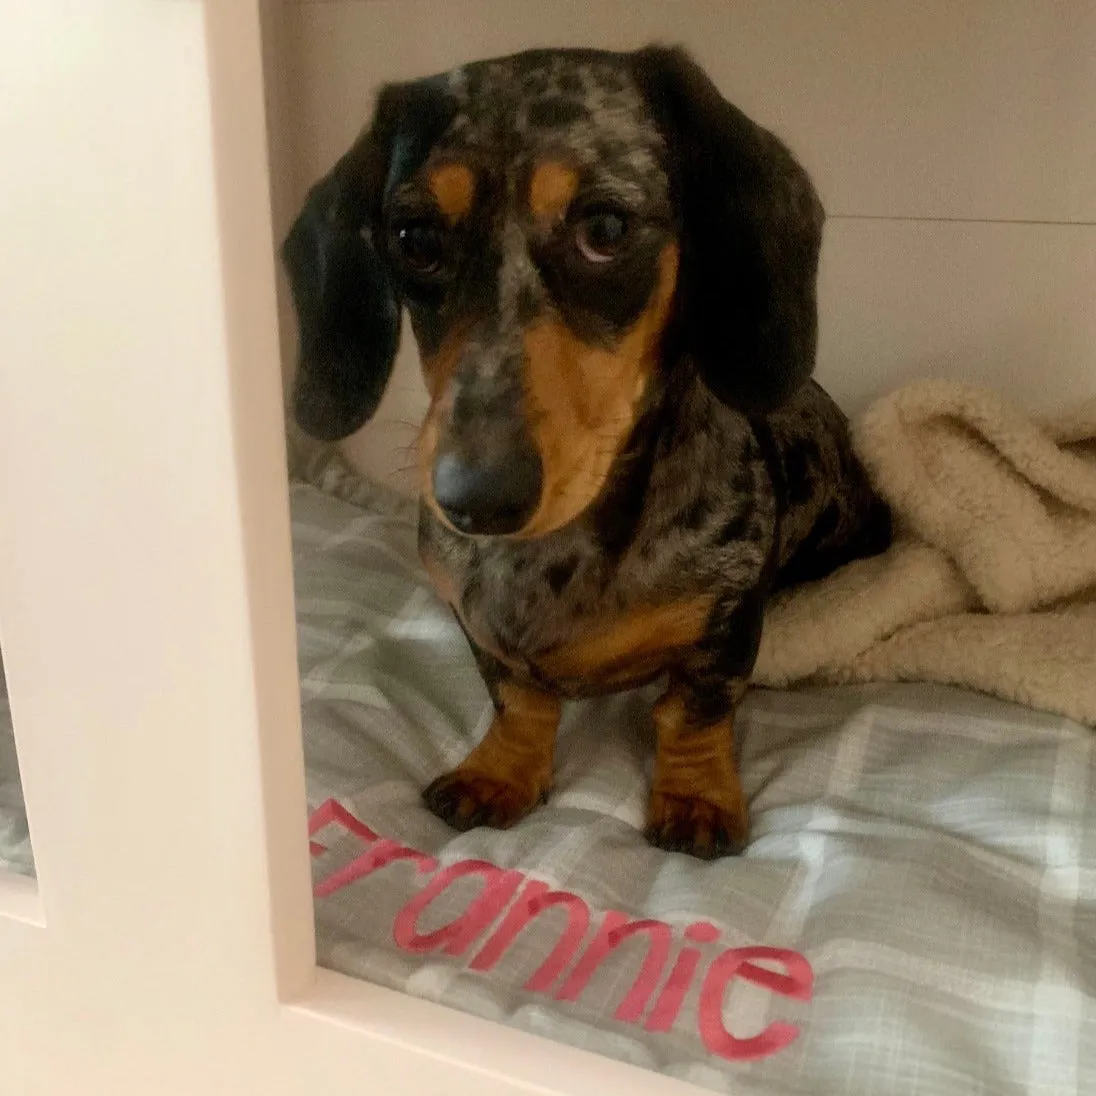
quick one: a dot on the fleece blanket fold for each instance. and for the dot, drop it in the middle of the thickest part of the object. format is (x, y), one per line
(991, 580)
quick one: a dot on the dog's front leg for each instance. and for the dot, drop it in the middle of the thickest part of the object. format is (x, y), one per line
(697, 805)
(510, 771)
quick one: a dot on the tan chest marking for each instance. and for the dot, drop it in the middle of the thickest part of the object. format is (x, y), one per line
(628, 646)
(606, 650)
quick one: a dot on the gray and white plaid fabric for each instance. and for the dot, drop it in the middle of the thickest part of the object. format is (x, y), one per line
(931, 853)
(15, 854)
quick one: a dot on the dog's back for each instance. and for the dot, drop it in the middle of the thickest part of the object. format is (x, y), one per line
(828, 512)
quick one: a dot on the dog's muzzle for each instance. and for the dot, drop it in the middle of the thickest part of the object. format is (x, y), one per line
(491, 493)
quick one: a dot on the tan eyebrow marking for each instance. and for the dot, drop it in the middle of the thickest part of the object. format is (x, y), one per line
(454, 187)
(551, 189)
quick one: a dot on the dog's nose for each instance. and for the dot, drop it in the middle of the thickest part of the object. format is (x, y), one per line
(488, 496)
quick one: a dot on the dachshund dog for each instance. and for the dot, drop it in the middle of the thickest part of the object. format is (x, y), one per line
(610, 273)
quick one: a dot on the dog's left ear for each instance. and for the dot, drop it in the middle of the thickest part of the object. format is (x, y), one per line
(751, 235)
(348, 308)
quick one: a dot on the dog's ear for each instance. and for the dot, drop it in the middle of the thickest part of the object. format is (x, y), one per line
(751, 235)
(348, 309)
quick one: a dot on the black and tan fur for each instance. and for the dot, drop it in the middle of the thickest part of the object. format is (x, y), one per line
(637, 453)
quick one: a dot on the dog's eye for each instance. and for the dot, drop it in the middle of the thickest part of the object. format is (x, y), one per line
(420, 245)
(600, 235)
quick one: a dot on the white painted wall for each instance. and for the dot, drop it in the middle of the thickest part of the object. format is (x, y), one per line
(954, 145)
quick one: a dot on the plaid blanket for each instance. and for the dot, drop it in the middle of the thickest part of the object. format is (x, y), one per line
(916, 913)
(928, 853)
(15, 853)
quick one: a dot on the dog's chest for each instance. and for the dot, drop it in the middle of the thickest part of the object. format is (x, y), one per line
(605, 603)
(561, 613)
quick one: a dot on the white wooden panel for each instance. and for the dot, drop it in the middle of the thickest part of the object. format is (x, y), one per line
(127, 581)
(1004, 305)
(1009, 306)
(20, 900)
(125, 576)
(911, 108)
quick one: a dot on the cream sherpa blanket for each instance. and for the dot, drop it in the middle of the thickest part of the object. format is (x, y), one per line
(991, 580)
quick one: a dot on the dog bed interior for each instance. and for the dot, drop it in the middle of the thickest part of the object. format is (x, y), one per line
(916, 911)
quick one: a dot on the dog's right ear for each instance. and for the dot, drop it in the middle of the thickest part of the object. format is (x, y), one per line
(751, 236)
(348, 309)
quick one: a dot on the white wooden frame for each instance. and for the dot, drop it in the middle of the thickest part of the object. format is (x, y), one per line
(168, 946)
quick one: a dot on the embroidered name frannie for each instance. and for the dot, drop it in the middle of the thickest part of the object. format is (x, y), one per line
(524, 899)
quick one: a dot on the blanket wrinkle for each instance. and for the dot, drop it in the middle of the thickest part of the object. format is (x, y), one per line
(991, 580)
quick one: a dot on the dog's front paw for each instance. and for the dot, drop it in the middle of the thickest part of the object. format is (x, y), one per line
(689, 824)
(465, 799)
